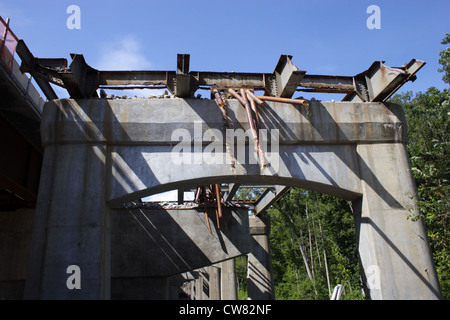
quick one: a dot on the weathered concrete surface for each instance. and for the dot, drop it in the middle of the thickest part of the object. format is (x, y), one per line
(101, 153)
(228, 284)
(316, 145)
(394, 250)
(219, 282)
(259, 269)
(214, 282)
(162, 243)
(71, 225)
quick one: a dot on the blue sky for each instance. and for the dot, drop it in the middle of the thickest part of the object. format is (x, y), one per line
(324, 36)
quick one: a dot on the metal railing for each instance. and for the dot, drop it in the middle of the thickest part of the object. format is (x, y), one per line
(8, 44)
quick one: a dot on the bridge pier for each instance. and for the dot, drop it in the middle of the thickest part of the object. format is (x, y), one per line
(395, 257)
(71, 226)
(101, 154)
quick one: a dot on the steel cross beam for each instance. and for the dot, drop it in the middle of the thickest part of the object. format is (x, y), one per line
(269, 197)
(377, 83)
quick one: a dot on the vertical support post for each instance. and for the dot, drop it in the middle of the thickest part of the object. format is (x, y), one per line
(214, 282)
(199, 287)
(185, 84)
(228, 280)
(180, 196)
(395, 256)
(259, 269)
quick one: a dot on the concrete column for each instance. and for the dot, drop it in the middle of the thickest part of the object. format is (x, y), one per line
(259, 269)
(71, 226)
(201, 287)
(214, 283)
(228, 280)
(395, 257)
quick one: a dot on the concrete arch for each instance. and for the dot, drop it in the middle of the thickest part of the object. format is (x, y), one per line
(331, 170)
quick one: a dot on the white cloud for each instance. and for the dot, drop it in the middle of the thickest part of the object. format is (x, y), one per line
(123, 54)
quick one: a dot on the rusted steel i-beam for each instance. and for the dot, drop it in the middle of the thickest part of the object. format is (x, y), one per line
(377, 83)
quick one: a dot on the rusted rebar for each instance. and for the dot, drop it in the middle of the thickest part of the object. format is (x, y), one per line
(197, 195)
(221, 102)
(218, 98)
(219, 200)
(244, 101)
(205, 203)
(259, 150)
(285, 100)
(255, 98)
(253, 105)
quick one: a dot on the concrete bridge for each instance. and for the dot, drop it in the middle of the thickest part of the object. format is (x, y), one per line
(103, 155)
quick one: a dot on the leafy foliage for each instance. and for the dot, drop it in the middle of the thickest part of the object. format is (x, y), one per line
(445, 59)
(311, 235)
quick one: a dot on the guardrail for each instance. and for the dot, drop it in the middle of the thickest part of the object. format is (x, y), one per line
(8, 45)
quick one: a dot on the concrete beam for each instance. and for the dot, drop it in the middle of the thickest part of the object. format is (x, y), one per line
(269, 197)
(232, 189)
(161, 243)
(318, 147)
(120, 122)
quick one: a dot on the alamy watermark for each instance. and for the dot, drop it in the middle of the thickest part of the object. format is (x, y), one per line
(373, 277)
(74, 20)
(74, 280)
(235, 146)
(374, 20)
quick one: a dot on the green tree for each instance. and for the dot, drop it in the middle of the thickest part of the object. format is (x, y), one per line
(313, 247)
(241, 274)
(445, 59)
